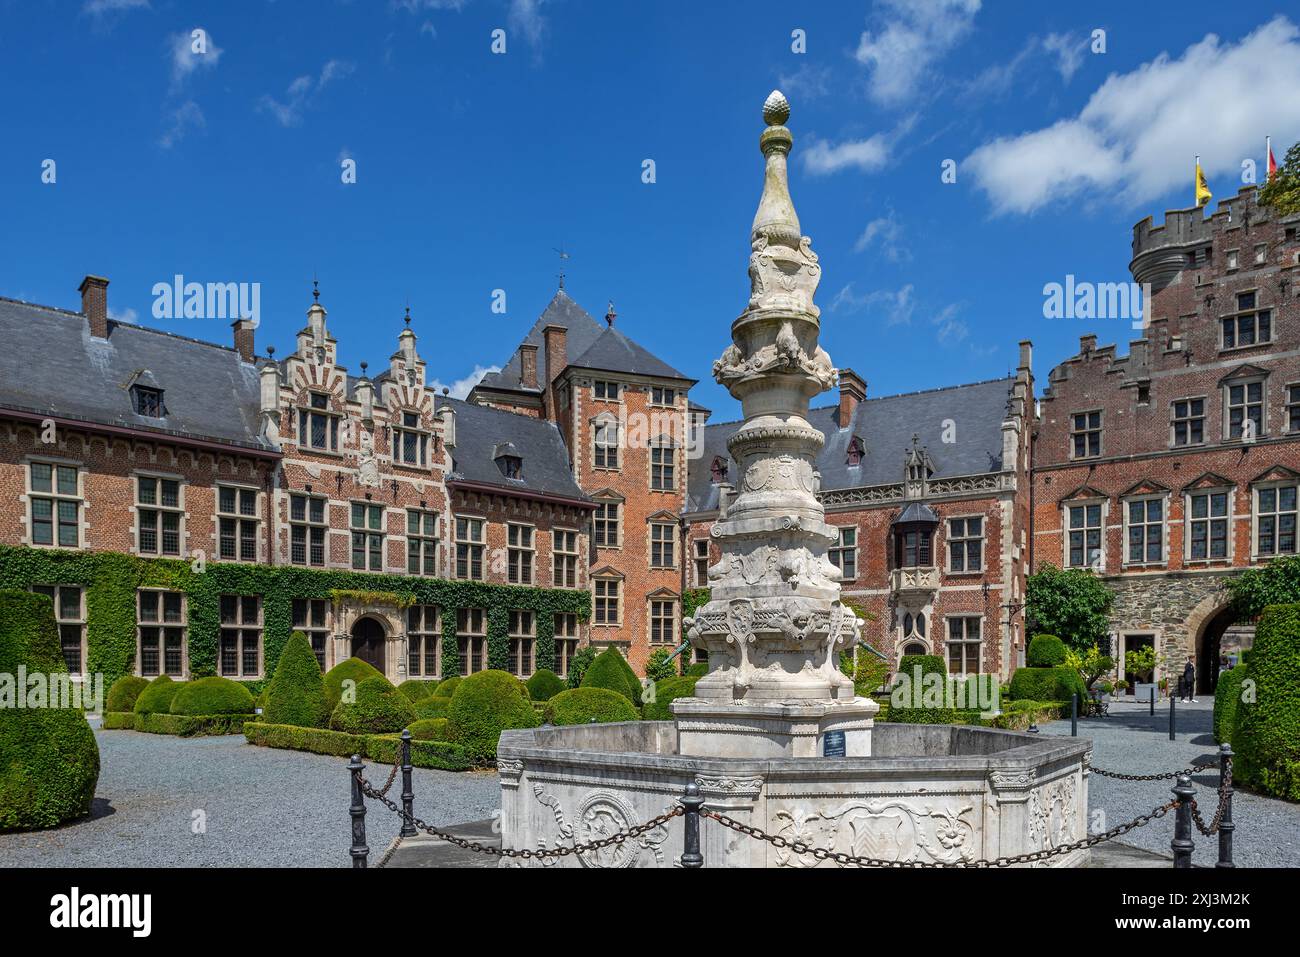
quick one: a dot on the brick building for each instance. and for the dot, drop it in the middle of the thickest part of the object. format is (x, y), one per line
(1172, 468)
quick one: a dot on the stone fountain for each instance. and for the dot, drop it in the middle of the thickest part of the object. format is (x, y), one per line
(775, 735)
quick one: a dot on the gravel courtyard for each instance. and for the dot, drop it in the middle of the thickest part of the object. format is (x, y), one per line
(263, 807)
(1133, 742)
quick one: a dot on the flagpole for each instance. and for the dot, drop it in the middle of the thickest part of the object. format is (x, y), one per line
(1268, 158)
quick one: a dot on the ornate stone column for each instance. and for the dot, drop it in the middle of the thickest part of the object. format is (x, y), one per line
(775, 626)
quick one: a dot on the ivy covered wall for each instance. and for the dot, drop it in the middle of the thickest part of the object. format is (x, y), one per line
(111, 579)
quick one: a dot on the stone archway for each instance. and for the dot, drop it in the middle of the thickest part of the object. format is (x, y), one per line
(1209, 648)
(368, 641)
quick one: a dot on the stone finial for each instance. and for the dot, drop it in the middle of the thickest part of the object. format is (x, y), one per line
(776, 109)
(776, 221)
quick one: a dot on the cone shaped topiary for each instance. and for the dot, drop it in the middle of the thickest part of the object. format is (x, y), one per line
(212, 695)
(379, 709)
(544, 685)
(49, 759)
(611, 672)
(296, 693)
(124, 692)
(485, 704)
(157, 696)
(354, 670)
(581, 705)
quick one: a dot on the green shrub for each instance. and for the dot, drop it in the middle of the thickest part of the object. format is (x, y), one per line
(190, 725)
(661, 664)
(907, 704)
(698, 670)
(447, 687)
(122, 695)
(1019, 715)
(485, 704)
(118, 720)
(1227, 696)
(610, 671)
(431, 707)
(49, 759)
(1046, 684)
(580, 705)
(440, 755)
(544, 685)
(417, 689)
(1267, 737)
(355, 670)
(667, 691)
(379, 709)
(296, 692)
(579, 664)
(1045, 651)
(212, 695)
(431, 729)
(157, 696)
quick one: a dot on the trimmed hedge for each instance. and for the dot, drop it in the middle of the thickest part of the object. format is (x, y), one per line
(431, 729)
(191, 725)
(157, 696)
(610, 671)
(1227, 696)
(440, 755)
(667, 691)
(544, 685)
(910, 709)
(296, 692)
(431, 707)
(485, 704)
(1019, 715)
(353, 669)
(123, 694)
(698, 670)
(1046, 684)
(118, 720)
(210, 696)
(1267, 735)
(416, 689)
(447, 687)
(49, 759)
(580, 705)
(1045, 651)
(379, 709)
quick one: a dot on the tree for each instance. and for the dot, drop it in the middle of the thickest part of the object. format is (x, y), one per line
(1090, 664)
(1073, 605)
(1282, 192)
(1141, 662)
(661, 664)
(1277, 583)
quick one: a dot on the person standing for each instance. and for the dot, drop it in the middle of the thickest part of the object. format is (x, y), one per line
(1187, 683)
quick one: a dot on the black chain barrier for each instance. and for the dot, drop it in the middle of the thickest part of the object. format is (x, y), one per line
(1167, 776)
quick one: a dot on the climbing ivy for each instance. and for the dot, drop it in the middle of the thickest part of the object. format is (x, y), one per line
(110, 580)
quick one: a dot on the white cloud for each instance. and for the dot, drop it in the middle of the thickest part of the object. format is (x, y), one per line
(180, 121)
(103, 8)
(888, 231)
(186, 59)
(122, 315)
(525, 16)
(869, 155)
(898, 305)
(914, 35)
(302, 93)
(460, 388)
(950, 330)
(806, 83)
(1136, 137)
(1069, 51)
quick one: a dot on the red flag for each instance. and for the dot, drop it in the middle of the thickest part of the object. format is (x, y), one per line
(1272, 163)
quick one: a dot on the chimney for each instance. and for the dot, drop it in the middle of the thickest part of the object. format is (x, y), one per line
(1026, 355)
(1087, 344)
(853, 389)
(94, 303)
(244, 338)
(557, 356)
(528, 365)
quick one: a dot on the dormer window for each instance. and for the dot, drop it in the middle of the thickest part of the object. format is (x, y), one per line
(856, 452)
(718, 470)
(410, 442)
(318, 427)
(148, 402)
(511, 466)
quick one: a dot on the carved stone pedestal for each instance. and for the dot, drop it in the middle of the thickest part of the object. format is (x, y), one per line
(772, 729)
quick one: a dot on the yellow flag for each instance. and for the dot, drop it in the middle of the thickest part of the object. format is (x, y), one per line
(1203, 194)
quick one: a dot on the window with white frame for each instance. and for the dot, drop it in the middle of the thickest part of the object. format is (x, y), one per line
(410, 442)
(566, 642)
(309, 618)
(318, 427)
(1085, 435)
(1144, 520)
(1245, 403)
(1251, 326)
(701, 546)
(605, 390)
(661, 395)
(241, 636)
(1207, 533)
(471, 640)
(307, 528)
(564, 558)
(663, 466)
(70, 616)
(607, 608)
(1188, 421)
(469, 548)
(966, 544)
(663, 539)
(158, 514)
(963, 644)
(55, 505)
(367, 537)
(844, 553)
(237, 523)
(160, 633)
(1084, 534)
(519, 554)
(604, 524)
(523, 639)
(1275, 520)
(663, 621)
(421, 542)
(606, 442)
(423, 641)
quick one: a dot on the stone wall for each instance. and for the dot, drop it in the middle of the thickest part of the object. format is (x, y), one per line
(1174, 607)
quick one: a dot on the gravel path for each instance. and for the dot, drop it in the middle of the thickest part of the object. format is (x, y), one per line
(1133, 742)
(264, 807)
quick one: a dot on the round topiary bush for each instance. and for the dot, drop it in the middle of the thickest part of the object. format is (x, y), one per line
(296, 692)
(124, 692)
(156, 698)
(431, 729)
(1227, 696)
(544, 685)
(447, 687)
(431, 707)
(355, 670)
(610, 671)
(416, 689)
(212, 695)
(666, 691)
(379, 709)
(581, 705)
(485, 704)
(1046, 684)
(49, 759)
(1267, 737)
(1045, 651)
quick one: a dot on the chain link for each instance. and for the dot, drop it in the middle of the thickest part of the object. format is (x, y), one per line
(1224, 788)
(1168, 776)
(525, 853)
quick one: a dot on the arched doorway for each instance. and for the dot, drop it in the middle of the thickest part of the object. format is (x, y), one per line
(1209, 649)
(368, 642)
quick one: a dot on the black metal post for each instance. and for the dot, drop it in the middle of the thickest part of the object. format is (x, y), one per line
(692, 800)
(1182, 843)
(1151, 696)
(1171, 717)
(1074, 715)
(408, 795)
(1226, 826)
(360, 851)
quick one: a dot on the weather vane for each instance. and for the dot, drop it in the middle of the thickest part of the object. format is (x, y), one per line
(563, 256)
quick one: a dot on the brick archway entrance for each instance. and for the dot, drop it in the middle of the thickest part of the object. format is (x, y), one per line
(368, 642)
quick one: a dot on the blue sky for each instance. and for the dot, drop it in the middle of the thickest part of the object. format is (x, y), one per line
(473, 167)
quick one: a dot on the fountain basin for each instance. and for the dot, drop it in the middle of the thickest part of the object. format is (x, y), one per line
(929, 793)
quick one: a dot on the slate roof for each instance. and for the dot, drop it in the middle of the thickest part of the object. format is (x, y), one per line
(480, 433)
(209, 392)
(885, 425)
(614, 352)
